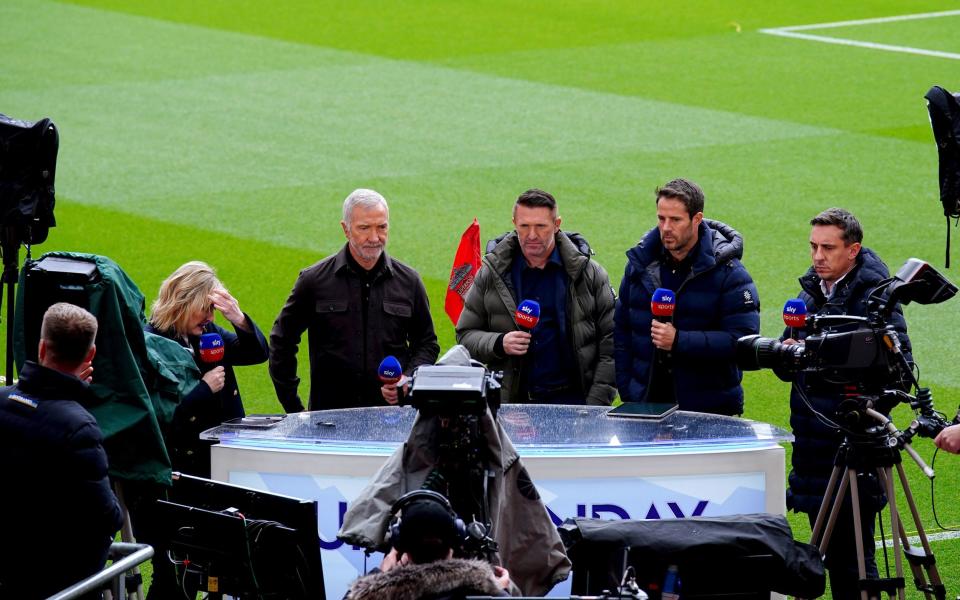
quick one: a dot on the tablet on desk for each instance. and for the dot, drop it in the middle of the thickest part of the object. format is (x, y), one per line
(255, 421)
(643, 410)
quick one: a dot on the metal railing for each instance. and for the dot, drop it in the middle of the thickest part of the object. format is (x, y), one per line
(125, 556)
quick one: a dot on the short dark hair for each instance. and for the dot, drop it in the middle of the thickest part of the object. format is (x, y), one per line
(534, 198)
(69, 332)
(685, 191)
(844, 219)
(428, 531)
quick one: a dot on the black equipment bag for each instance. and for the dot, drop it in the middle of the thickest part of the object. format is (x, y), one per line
(28, 164)
(738, 556)
(944, 109)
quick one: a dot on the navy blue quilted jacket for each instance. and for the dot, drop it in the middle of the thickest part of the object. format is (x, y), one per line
(715, 305)
(815, 443)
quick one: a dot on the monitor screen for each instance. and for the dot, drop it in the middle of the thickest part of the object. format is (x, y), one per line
(241, 541)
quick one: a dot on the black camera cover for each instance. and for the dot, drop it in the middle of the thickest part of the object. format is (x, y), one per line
(28, 163)
(944, 109)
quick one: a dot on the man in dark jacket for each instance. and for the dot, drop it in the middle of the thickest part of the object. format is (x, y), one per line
(60, 514)
(358, 307)
(838, 283)
(689, 357)
(568, 357)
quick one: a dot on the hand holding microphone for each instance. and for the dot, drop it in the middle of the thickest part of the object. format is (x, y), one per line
(391, 375)
(662, 332)
(517, 343)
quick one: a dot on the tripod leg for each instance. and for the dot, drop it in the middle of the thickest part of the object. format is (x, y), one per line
(885, 475)
(824, 511)
(857, 528)
(925, 561)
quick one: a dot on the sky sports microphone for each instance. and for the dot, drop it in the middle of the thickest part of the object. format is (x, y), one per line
(211, 348)
(662, 304)
(528, 315)
(795, 315)
(389, 370)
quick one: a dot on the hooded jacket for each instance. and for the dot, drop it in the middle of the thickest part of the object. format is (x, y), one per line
(530, 546)
(491, 303)
(716, 304)
(815, 444)
(440, 579)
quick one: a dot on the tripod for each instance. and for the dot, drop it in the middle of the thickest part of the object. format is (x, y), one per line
(881, 452)
(10, 240)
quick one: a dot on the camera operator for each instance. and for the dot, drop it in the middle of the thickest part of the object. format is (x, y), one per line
(839, 282)
(949, 439)
(421, 563)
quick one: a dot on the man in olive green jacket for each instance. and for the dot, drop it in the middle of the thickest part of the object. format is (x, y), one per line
(567, 358)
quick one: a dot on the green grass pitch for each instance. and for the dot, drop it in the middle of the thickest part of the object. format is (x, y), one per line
(231, 131)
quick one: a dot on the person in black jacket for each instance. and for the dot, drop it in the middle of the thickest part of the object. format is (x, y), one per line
(60, 514)
(688, 358)
(357, 306)
(183, 312)
(839, 283)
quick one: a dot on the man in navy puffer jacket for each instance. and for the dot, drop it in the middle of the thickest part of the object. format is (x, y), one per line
(690, 358)
(839, 283)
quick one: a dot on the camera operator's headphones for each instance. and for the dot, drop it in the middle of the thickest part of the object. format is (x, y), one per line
(393, 537)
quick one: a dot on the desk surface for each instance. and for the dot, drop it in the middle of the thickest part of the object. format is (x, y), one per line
(535, 429)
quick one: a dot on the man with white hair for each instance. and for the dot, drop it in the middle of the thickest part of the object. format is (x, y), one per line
(358, 306)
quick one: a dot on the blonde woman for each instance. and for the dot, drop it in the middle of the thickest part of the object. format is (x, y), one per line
(184, 311)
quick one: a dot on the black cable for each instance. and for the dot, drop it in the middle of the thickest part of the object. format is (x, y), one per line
(933, 500)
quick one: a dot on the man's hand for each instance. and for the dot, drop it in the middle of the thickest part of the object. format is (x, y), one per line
(390, 560)
(86, 372)
(663, 335)
(501, 576)
(215, 378)
(949, 439)
(516, 343)
(389, 390)
(228, 307)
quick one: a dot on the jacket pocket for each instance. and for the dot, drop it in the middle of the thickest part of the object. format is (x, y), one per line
(331, 306)
(397, 309)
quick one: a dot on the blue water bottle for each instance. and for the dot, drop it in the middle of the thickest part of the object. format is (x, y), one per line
(671, 584)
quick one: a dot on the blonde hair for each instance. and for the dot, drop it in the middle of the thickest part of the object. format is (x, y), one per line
(183, 294)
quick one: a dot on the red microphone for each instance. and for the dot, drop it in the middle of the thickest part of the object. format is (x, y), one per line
(528, 315)
(389, 370)
(795, 313)
(211, 348)
(662, 304)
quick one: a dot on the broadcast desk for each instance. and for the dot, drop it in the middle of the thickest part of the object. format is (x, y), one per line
(583, 462)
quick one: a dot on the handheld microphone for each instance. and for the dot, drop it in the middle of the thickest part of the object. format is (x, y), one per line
(211, 348)
(795, 315)
(528, 315)
(662, 304)
(389, 370)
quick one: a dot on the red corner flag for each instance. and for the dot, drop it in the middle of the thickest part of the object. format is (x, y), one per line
(465, 266)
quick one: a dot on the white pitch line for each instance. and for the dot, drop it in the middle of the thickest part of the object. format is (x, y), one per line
(913, 17)
(933, 537)
(786, 32)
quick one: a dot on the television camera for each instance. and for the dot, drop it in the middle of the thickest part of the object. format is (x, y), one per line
(863, 362)
(457, 392)
(862, 353)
